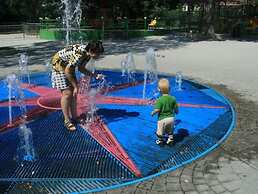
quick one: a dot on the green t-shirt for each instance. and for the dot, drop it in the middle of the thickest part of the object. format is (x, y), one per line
(167, 106)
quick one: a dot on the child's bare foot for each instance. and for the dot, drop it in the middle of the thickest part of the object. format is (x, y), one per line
(69, 125)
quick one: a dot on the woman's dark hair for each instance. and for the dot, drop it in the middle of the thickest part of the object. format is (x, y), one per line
(95, 47)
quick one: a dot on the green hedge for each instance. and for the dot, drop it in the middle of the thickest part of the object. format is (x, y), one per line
(57, 34)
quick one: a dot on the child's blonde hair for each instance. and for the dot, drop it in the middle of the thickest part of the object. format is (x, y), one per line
(163, 86)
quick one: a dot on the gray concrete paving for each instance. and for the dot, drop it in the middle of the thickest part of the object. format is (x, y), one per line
(233, 167)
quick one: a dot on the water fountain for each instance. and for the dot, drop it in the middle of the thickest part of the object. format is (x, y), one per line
(26, 150)
(179, 81)
(11, 82)
(19, 99)
(130, 67)
(123, 67)
(89, 95)
(102, 86)
(91, 65)
(150, 72)
(48, 67)
(23, 68)
(84, 85)
(15, 92)
(92, 102)
(71, 17)
(151, 65)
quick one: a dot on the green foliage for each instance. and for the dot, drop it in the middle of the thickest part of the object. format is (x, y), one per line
(32, 10)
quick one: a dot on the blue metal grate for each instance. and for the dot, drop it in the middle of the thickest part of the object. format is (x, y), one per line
(60, 154)
(59, 185)
(193, 146)
(75, 162)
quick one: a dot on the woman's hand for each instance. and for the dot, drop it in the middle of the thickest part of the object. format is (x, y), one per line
(75, 91)
(99, 76)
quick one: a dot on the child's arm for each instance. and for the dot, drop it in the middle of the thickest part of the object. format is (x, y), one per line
(176, 109)
(157, 107)
(155, 111)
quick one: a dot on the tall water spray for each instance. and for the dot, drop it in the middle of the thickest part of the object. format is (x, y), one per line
(71, 17)
(128, 66)
(18, 95)
(48, 68)
(102, 87)
(91, 65)
(92, 101)
(131, 67)
(25, 149)
(123, 67)
(179, 81)
(11, 82)
(150, 70)
(15, 89)
(23, 68)
(89, 95)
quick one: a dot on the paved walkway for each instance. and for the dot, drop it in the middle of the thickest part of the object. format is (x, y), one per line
(229, 66)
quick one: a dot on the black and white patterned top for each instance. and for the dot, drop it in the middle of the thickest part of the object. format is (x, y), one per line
(70, 56)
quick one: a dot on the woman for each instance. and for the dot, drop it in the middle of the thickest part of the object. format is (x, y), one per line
(64, 64)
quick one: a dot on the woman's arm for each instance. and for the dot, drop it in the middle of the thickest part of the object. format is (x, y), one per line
(85, 71)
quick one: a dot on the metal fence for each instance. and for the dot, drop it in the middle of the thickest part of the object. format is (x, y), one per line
(228, 19)
(26, 28)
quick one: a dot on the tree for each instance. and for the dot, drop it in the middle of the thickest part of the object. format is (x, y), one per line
(31, 10)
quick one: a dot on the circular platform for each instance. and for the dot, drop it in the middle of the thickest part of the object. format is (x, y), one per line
(118, 148)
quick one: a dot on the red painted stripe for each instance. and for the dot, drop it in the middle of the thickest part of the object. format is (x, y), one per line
(138, 101)
(121, 100)
(100, 132)
(200, 106)
(50, 103)
(32, 114)
(45, 91)
(30, 102)
(123, 86)
(40, 90)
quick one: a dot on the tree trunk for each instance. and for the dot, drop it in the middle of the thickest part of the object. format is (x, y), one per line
(210, 19)
(189, 17)
(201, 19)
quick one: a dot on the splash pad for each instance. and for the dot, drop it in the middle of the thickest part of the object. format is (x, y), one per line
(118, 148)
